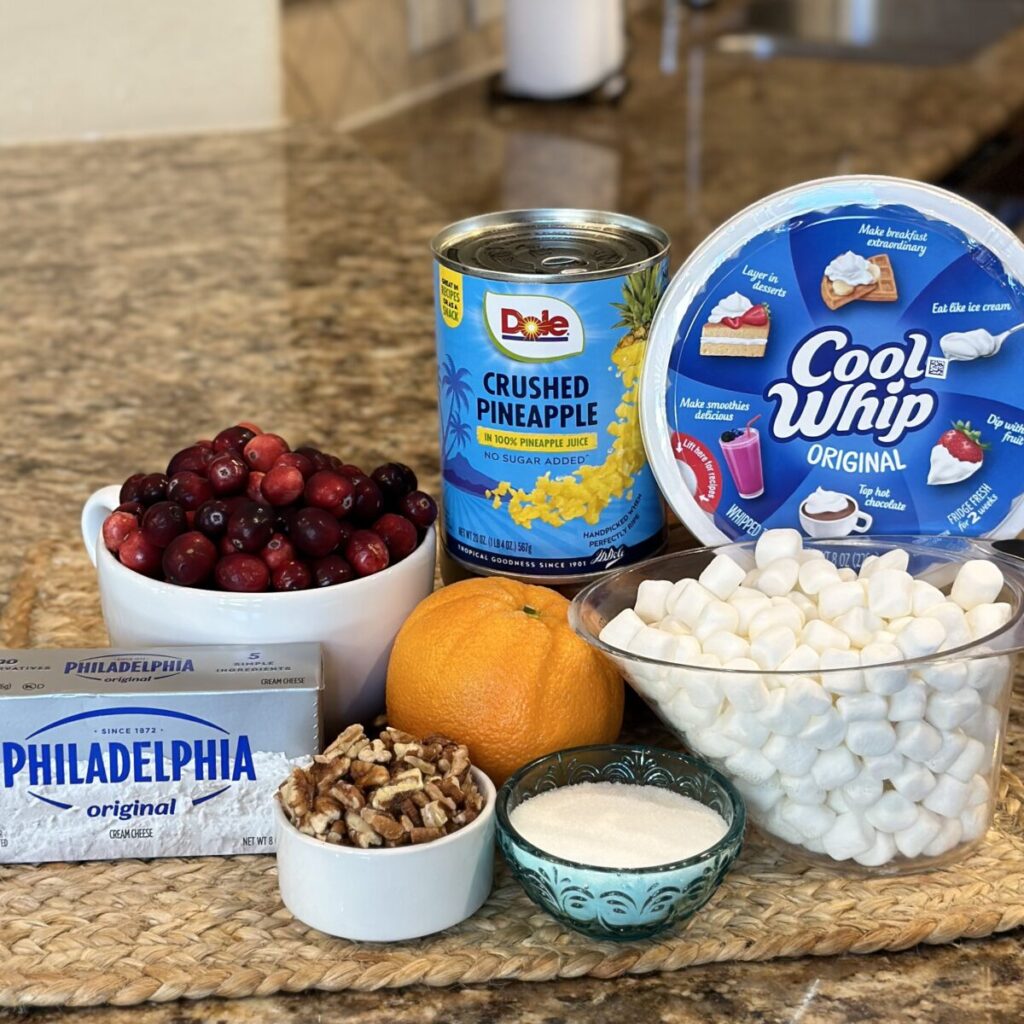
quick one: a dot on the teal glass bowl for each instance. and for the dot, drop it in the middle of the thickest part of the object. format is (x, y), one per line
(620, 903)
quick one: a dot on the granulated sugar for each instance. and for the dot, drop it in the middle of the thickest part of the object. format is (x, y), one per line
(615, 825)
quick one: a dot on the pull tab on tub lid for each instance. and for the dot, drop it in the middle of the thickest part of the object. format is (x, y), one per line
(843, 357)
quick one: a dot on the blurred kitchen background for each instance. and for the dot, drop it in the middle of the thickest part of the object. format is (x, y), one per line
(682, 112)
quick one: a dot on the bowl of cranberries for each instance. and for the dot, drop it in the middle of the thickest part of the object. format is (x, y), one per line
(242, 539)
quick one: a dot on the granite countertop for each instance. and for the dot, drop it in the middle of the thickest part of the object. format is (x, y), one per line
(154, 290)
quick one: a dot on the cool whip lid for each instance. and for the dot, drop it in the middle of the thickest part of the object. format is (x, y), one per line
(843, 356)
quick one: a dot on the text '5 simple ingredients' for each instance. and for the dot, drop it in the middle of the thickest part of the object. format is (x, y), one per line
(494, 662)
(542, 321)
(243, 512)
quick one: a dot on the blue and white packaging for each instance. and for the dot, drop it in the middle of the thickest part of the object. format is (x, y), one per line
(164, 752)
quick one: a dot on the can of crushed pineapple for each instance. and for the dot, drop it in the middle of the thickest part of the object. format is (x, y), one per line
(542, 320)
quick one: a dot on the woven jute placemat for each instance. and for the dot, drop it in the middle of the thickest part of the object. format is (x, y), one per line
(130, 931)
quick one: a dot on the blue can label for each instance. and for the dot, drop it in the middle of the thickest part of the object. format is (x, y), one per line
(853, 370)
(543, 465)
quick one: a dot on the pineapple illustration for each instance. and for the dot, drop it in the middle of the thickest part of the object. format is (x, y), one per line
(640, 296)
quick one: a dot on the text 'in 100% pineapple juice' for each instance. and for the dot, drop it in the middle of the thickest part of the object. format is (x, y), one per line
(542, 321)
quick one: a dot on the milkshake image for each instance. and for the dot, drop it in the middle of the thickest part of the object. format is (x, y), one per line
(742, 451)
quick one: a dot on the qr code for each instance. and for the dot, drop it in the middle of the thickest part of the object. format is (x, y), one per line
(936, 368)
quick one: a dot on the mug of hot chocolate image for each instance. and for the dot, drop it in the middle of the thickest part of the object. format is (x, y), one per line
(825, 515)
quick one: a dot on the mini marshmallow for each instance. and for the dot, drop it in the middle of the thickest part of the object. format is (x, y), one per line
(687, 648)
(984, 725)
(790, 755)
(775, 544)
(948, 798)
(978, 791)
(823, 636)
(847, 575)
(914, 781)
(989, 676)
(948, 710)
(978, 582)
(834, 768)
(750, 579)
(921, 637)
(862, 707)
(744, 688)
(865, 789)
(838, 802)
(746, 609)
(846, 682)
(650, 599)
(912, 841)
(803, 659)
(815, 574)
(848, 836)
(892, 812)
(803, 789)
(945, 676)
(895, 626)
(954, 622)
(824, 731)
(779, 577)
(859, 624)
(751, 765)
(772, 646)
(885, 636)
(974, 822)
(670, 624)
(722, 576)
(620, 631)
(885, 767)
(925, 597)
(985, 619)
(806, 698)
(777, 716)
(950, 831)
(650, 642)
(882, 851)
(810, 820)
(809, 554)
(715, 617)
(742, 593)
(894, 558)
(971, 760)
(837, 598)
(870, 739)
(808, 608)
(680, 711)
(883, 676)
(778, 826)
(910, 703)
(761, 797)
(676, 597)
(953, 744)
(693, 600)
(867, 567)
(918, 741)
(712, 742)
(890, 593)
(703, 687)
(659, 686)
(745, 728)
(774, 616)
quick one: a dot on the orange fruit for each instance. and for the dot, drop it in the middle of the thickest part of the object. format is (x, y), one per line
(493, 664)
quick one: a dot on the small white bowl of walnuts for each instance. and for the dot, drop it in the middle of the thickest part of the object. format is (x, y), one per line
(386, 839)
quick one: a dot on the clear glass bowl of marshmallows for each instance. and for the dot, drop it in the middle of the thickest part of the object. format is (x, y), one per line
(855, 691)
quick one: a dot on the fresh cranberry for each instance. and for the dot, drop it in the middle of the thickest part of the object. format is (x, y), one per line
(315, 456)
(225, 547)
(152, 488)
(137, 553)
(395, 481)
(254, 487)
(301, 462)
(263, 450)
(242, 573)
(163, 522)
(278, 551)
(400, 536)
(250, 426)
(366, 553)
(292, 576)
(250, 526)
(189, 559)
(314, 532)
(368, 502)
(212, 517)
(282, 485)
(189, 489)
(135, 508)
(347, 529)
(228, 474)
(331, 491)
(131, 489)
(195, 458)
(354, 473)
(331, 570)
(116, 527)
(233, 439)
(420, 508)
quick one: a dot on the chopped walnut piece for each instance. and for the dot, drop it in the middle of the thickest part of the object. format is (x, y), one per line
(395, 790)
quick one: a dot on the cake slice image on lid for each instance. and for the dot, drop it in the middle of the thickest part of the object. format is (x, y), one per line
(842, 357)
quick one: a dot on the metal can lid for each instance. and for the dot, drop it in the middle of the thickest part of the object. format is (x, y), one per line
(550, 245)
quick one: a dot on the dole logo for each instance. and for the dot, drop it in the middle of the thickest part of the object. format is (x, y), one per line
(533, 328)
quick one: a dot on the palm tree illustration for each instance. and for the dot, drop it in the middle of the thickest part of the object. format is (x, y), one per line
(456, 388)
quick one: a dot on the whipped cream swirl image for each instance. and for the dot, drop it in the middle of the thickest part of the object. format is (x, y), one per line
(732, 305)
(821, 500)
(963, 346)
(945, 468)
(851, 269)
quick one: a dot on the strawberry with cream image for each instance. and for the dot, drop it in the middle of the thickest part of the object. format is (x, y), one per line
(958, 455)
(736, 327)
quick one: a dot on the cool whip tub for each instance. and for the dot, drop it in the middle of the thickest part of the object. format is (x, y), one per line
(873, 330)
(164, 752)
(542, 323)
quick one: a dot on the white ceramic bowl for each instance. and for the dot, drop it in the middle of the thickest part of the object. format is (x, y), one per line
(388, 895)
(356, 622)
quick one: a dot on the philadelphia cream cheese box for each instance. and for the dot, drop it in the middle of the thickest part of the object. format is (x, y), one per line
(163, 752)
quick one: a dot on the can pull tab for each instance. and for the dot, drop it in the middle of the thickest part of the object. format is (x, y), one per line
(564, 264)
